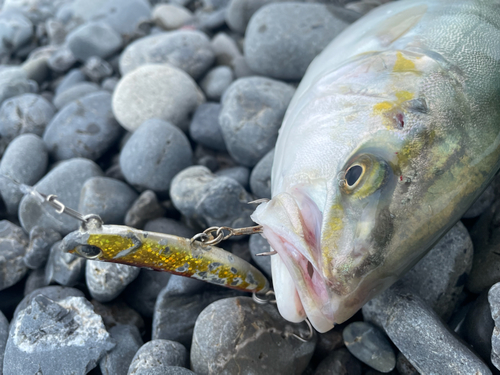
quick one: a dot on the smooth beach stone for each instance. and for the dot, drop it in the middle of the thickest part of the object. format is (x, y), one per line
(328, 342)
(239, 174)
(169, 226)
(211, 15)
(141, 294)
(109, 84)
(128, 341)
(171, 16)
(63, 337)
(339, 362)
(144, 208)
(106, 197)
(251, 115)
(241, 68)
(282, 39)
(13, 244)
(107, 280)
(13, 82)
(24, 161)
(154, 154)
(36, 68)
(75, 92)
(188, 50)
(156, 92)
(73, 77)
(216, 82)
(93, 39)
(36, 10)
(158, 355)
(259, 244)
(370, 346)
(41, 240)
(62, 59)
(63, 268)
(15, 31)
(205, 128)
(118, 313)
(236, 333)
(66, 181)
(97, 68)
(260, 178)
(225, 48)
(35, 280)
(84, 128)
(239, 13)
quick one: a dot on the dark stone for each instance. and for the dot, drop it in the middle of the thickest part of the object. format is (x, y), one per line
(328, 342)
(494, 301)
(141, 294)
(41, 240)
(260, 178)
(259, 244)
(35, 280)
(62, 267)
(4, 335)
(128, 341)
(13, 244)
(145, 207)
(159, 354)
(205, 128)
(404, 366)
(339, 362)
(118, 313)
(169, 226)
(482, 203)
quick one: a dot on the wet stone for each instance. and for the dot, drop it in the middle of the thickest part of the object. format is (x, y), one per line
(171, 16)
(205, 128)
(25, 161)
(97, 69)
(154, 154)
(239, 174)
(169, 226)
(93, 39)
(118, 313)
(260, 179)
(236, 333)
(145, 207)
(13, 244)
(64, 337)
(66, 181)
(141, 294)
(128, 341)
(13, 82)
(107, 280)
(41, 240)
(106, 197)
(73, 77)
(84, 128)
(339, 362)
(63, 268)
(216, 82)
(75, 92)
(259, 244)
(158, 355)
(251, 115)
(370, 346)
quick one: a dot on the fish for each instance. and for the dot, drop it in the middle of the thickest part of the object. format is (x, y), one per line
(392, 134)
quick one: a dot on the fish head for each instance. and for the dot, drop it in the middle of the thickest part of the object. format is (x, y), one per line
(368, 174)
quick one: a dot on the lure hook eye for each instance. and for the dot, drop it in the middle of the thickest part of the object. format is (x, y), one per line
(88, 251)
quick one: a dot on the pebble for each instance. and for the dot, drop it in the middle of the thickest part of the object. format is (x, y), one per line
(339, 362)
(364, 6)
(65, 180)
(36, 10)
(118, 313)
(259, 244)
(328, 342)
(109, 84)
(13, 244)
(205, 128)
(13, 82)
(35, 280)
(211, 15)
(235, 333)
(225, 49)
(187, 50)
(282, 39)
(484, 201)
(36, 68)
(154, 154)
(211, 200)
(370, 346)
(404, 366)
(241, 68)
(75, 92)
(4, 335)
(128, 341)
(25, 161)
(107, 280)
(56, 32)
(73, 77)
(15, 31)
(63, 337)
(84, 128)
(97, 69)
(93, 39)
(61, 60)
(106, 197)
(141, 294)
(156, 92)
(216, 82)
(260, 179)
(63, 268)
(41, 240)
(239, 174)
(169, 226)
(251, 115)
(157, 355)
(171, 16)
(239, 13)
(145, 207)
(494, 301)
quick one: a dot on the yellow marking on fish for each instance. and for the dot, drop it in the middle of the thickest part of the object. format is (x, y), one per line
(403, 64)
(389, 109)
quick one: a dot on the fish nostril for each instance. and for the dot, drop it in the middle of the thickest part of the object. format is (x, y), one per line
(310, 269)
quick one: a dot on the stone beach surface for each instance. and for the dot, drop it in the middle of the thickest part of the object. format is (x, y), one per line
(163, 115)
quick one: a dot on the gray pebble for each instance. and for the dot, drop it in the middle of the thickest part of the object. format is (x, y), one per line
(64, 337)
(211, 200)
(35, 280)
(118, 313)
(156, 92)
(259, 244)
(75, 92)
(205, 128)
(106, 197)
(15, 31)
(339, 362)
(236, 333)
(4, 335)
(36, 68)
(241, 68)
(128, 341)
(251, 115)
(260, 178)
(27, 113)
(97, 69)
(24, 161)
(56, 31)
(239, 174)
(36, 10)
(216, 82)
(13, 244)
(481, 204)
(141, 294)
(404, 366)
(145, 207)
(364, 6)
(158, 354)
(239, 13)
(169, 226)
(41, 240)
(109, 84)
(171, 16)
(62, 59)
(107, 280)
(84, 128)
(187, 50)
(13, 81)
(93, 39)
(66, 181)
(211, 15)
(494, 301)
(71, 78)
(370, 346)
(282, 39)
(63, 268)
(225, 48)
(154, 154)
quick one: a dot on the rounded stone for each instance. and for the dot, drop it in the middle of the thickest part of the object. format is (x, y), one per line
(169, 226)
(145, 207)
(216, 82)
(225, 48)
(41, 240)
(36, 10)
(251, 115)
(239, 174)
(260, 178)
(74, 92)
(282, 39)
(73, 77)
(205, 128)
(84, 128)
(141, 294)
(15, 31)
(14, 81)
(107, 280)
(188, 50)
(154, 154)
(159, 354)
(171, 16)
(13, 244)
(63, 268)
(128, 340)
(239, 13)
(156, 91)
(93, 39)
(339, 362)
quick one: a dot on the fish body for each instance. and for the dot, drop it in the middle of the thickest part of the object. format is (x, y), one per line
(392, 134)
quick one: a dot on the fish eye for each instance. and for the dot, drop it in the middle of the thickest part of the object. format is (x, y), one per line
(88, 251)
(353, 175)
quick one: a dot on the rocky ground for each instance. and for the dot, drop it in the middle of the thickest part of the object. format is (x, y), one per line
(149, 114)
